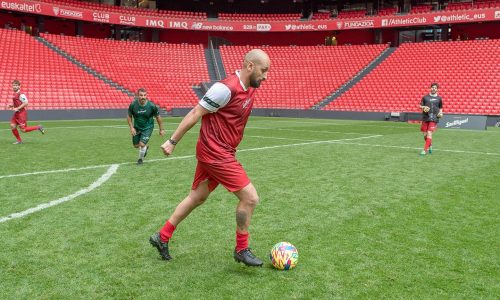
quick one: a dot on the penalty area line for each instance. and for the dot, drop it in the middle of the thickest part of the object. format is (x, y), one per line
(105, 177)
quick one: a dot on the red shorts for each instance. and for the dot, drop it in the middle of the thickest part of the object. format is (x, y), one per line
(230, 174)
(428, 126)
(20, 118)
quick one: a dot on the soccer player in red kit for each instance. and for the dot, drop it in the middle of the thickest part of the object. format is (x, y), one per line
(224, 111)
(20, 117)
(432, 111)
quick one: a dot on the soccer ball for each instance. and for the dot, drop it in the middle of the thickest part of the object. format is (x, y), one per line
(284, 256)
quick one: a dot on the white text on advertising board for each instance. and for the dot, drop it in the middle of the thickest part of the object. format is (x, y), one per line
(22, 7)
(258, 27)
(155, 23)
(359, 24)
(197, 25)
(127, 20)
(403, 21)
(263, 27)
(178, 24)
(294, 27)
(67, 13)
(462, 17)
(100, 17)
(457, 123)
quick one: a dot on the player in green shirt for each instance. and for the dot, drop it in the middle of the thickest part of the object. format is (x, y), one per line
(142, 111)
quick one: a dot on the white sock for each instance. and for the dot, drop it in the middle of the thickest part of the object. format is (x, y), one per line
(142, 151)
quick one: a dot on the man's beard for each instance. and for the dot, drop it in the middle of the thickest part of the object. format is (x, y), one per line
(254, 83)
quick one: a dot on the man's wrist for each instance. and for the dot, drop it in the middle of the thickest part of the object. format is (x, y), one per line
(172, 141)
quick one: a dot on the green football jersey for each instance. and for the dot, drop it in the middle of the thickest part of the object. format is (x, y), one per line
(143, 115)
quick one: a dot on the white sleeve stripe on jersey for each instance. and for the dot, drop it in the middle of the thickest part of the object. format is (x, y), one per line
(216, 97)
(23, 98)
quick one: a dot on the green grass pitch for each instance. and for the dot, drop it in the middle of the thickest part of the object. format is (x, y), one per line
(371, 219)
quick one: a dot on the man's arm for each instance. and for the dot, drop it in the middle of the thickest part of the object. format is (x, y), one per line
(131, 125)
(160, 124)
(186, 124)
(440, 113)
(20, 106)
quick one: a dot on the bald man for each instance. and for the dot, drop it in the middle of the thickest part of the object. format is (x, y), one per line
(224, 112)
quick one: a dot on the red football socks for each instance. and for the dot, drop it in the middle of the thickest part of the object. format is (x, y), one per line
(31, 128)
(16, 134)
(241, 241)
(167, 231)
(428, 143)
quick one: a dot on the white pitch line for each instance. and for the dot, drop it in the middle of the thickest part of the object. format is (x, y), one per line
(420, 148)
(111, 170)
(78, 127)
(177, 157)
(304, 130)
(308, 142)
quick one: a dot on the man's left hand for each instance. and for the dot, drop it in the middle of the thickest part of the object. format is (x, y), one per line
(440, 115)
(162, 132)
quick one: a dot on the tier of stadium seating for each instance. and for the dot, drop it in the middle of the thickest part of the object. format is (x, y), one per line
(302, 76)
(191, 15)
(387, 11)
(486, 4)
(49, 80)
(470, 5)
(258, 17)
(467, 71)
(321, 16)
(351, 14)
(419, 9)
(459, 6)
(167, 71)
(130, 10)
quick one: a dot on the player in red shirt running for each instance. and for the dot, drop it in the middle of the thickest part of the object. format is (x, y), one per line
(20, 117)
(224, 111)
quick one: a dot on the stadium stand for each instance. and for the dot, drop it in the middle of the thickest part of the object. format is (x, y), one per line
(452, 6)
(301, 76)
(258, 17)
(419, 9)
(190, 15)
(387, 11)
(49, 80)
(321, 16)
(487, 3)
(167, 71)
(351, 14)
(467, 71)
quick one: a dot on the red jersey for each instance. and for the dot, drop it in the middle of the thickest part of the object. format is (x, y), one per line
(222, 130)
(19, 99)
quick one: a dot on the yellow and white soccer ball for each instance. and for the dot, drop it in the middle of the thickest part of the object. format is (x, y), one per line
(284, 256)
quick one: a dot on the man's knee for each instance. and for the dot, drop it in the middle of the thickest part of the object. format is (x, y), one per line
(199, 195)
(251, 200)
(196, 199)
(248, 195)
(13, 126)
(254, 200)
